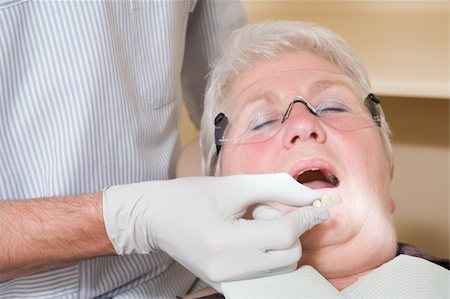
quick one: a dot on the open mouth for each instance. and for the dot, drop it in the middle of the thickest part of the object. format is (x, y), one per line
(317, 179)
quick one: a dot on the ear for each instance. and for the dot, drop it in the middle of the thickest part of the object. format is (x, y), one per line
(392, 166)
(392, 205)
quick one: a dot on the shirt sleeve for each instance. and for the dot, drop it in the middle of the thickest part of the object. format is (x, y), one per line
(209, 25)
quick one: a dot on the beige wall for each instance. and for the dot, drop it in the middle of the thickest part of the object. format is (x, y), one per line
(405, 46)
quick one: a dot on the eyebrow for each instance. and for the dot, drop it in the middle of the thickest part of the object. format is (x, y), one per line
(252, 103)
(324, 84)
(268, 96)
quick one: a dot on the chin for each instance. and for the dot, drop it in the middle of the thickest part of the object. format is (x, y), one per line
(332, 232)
(336, 252)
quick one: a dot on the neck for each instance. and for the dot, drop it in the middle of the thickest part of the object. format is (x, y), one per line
(344, 282)
(343, 272)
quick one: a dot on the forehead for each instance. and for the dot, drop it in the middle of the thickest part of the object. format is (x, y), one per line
(282, 62)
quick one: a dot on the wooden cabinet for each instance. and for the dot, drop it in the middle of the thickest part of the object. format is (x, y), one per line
(403, 44)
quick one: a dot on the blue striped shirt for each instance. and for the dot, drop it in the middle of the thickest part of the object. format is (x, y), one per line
(89, 94)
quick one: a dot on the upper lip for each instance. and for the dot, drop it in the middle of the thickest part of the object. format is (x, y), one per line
(316, 164)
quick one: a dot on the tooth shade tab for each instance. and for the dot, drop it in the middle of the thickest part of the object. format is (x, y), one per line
(327, 200)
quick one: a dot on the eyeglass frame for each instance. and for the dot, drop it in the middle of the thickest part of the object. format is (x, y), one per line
(372, 102)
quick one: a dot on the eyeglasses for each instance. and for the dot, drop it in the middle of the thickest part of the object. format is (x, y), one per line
(267, 122)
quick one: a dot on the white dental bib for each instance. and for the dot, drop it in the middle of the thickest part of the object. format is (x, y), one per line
(403, 277)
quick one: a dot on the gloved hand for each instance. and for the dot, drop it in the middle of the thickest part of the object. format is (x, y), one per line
(197, 221)
(266, 212)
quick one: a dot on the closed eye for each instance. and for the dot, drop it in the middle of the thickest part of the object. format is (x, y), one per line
(264, 124)
(332, 107)
(263, 120)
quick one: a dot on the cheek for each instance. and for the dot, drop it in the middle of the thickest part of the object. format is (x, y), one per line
(363, 152)
(368, 170)
(377, 167)
(249, 158)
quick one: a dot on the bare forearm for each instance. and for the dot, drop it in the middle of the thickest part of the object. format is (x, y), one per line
(47, 233)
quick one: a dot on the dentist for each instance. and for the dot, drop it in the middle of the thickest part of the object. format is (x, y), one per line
(89, 106)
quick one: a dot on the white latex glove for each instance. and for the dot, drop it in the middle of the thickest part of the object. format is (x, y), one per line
(266, 212)
(197, 221)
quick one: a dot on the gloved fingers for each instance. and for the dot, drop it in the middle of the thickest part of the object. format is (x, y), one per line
(266, 212)
(273, 262)
(258, 188)
(277, 234)
(259, 264)
(267, 235)
(307, 217)
(279, 260)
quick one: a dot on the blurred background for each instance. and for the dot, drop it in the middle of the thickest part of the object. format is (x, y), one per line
(405, 48)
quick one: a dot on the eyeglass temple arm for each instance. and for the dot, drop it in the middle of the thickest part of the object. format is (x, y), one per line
(373, 103)
(220, 125)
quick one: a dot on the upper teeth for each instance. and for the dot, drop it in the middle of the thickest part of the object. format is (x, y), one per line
(330, 177)
(310, 169)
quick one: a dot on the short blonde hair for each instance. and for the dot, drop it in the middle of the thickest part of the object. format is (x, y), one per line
(263, 41)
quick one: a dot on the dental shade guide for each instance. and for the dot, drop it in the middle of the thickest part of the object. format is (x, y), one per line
(327, 200)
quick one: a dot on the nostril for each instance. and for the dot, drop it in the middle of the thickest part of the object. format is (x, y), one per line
(296, 137)
(300, 127)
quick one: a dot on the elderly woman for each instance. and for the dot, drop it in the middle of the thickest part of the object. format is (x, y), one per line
(292, 97)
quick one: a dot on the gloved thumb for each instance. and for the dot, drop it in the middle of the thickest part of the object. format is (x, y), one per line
(307, 217)
(246, 190)
(303, 218)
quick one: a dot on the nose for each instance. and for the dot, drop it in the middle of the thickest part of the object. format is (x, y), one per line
(301, 124)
